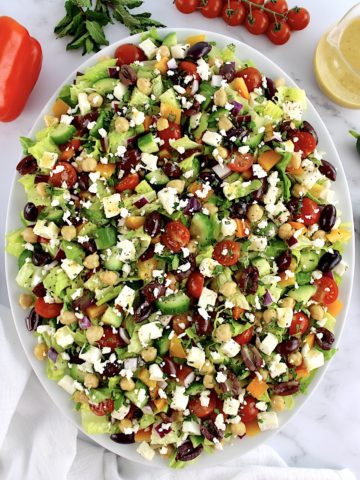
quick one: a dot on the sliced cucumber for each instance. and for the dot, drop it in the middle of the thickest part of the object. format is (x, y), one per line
(200, 229)
(62, 133)
(157, 177)
(174, 304)
(105, 85)
(309, 261)
(112, 262)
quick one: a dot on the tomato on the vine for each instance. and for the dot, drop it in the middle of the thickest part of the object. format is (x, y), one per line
(233, 13)
(187, 6)
(257, 22)
(277, 6)
(173, 132)
(176, 236)
(195, 284)
(298, 18)
(279, 32)
(227, 252)
(63, 172)
(47, 310)
(129, 53)
(327, 290)
(129, 182)
(103, 408)
(248, 411)
(211, 8)
(303, 142)
(252, 77)
(241, 162)
(202, 411)
(244, 337)
(299, 324)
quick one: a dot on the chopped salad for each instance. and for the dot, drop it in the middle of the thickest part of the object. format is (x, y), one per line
(181, 251)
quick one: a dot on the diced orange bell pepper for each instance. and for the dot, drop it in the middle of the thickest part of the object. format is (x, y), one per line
(162, 66)
(160, 404)
(257, 388)
(243, 228)
(237, 312)
(268, 159)
(170, 112)
(143, 435)
(335, 308)
(301, 372)
(310, 340)
(252, 428)
(107, 170)
(60, 107)
(297, 225)
(239, 85)
(95, 311)
(147, 122)
(176, 349)
(295, 171)
(144, 376)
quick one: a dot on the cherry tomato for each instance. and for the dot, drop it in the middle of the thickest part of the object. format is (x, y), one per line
(128, 183)
(211, 8)
(180, 323)
(103, 408)
(257, 22)
(277, 6)
(110, 339)
(176, 236)
(63, 172)
(252, 77)
(248, 411)
(199, 410)
(47, 310)
(300, 324)
(327, 290)
(182, 372)
(303, 142)
(241, 162)
(195, 284)
(190, 68)
(309, 213)
(245, 337)
(278, 32)
(129, 53)
(173, 132)
(233, 13)
(187, 6)
(298, 18)
(68, 149)
(227, 252)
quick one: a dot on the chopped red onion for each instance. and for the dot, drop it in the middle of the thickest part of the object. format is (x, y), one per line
(84, 323)
(163, 429)
(147, 410)
(141, 202)
(237, 107)
(52, 354)
(222, 171)
(189, 379)
(267, 300)
(124, 335)
(195, 87)
(172, 64)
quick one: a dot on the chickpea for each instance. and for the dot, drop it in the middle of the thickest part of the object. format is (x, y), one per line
(91, 380)
(238, 429)
(144, 85)
(286, 231)
(40, 351)
(92, 261)
(108, 277)
(213, 209)
(298, 190)
(293, 264)
(95, 99)
(316, 312)
(223, 152)
(319, 234)
(127, 384)
(223, 333)
(179, 185)
(66, 318)
(148, 354)
(295, 359)
(269, 315)
(80, 397)
(228, 289)
(277, 403)
(68, 232)
(89, 164)
(192, 246)
(94, 333)
(26, 300)
(125, 424)
(164, 51)
(220, 97)
(295, 161)
(162, 124)
(41, 189)
(224, 124)
(255, 213)
(209, 381)
(122, 125)
(207, 368)
(171, 281)
(258, 318)
(287, 302)
(28, 235)
(50, 120)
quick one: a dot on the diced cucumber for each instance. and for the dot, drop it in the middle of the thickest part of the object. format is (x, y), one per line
(76, 373)
(200, 229)
(308, 261)
(262, 265)
(157, 177)
(162, 345)
(169, 97)
(136, 397)
(253, 139)
(195, 388)
(303, 293)
(190, 164)
(143, 187)
(170, 40)
(110, 317)
(106, 237)
(62, 133)
(174, 304)
(147, 143)
(105, 85)
(138, 98)
(112, 261)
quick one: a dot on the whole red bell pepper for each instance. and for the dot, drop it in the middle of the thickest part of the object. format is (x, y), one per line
(20, 64)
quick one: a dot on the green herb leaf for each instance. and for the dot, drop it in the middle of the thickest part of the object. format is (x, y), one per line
(96, 32)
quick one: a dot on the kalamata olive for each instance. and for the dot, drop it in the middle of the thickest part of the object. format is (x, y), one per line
(83, 181)
(283, 261)
(202, 326)
(324, 338)
(198, 50)
(111, 369)
(60, 255)
(211, 178)
(231, 384)
(89, 246)
(143, 311)
(241, 119)
(210, 431)
(32, 320)
(149, 253)
(127, 75)
(251, 357)
(168, 366)
(238, 133)
(27, 165)
(238, 209)
(132, 157)
(286, 388)
(153, 290)
(113, 72)
(294, 206)
(74, 358)
(83, 302)
(248, 280)
(270, 89)
(82, 121)
(227, 71)
(329, 261)
(259, 193)
(171, 170)
(39, 290)
(328, 169)
(123, 438)
(288, 346)
(193, 206)
(187, 452)
(41, 179)
(286, 127)
(41, 258)
(153, 224)
(327, 218)
(180, 275)
(30, 212)
(307, 127)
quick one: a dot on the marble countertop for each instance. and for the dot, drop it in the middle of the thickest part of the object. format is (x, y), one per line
(325, 433)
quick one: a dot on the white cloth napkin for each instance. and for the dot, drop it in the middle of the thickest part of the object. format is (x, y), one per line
(38, 443)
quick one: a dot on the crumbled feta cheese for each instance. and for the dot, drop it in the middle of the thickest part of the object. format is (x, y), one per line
(149, 48)
(156, 373)
(203, 69)
(148, 332)
(267, 421)
(191, 427)
(231, 406)
(195, 357)
(179, 51)
(68, 384)
(71, 268)
(221, 377)
(205, 398)
(219, 422)
(212, 138)
(111, 205)
(258, 244)
(230, 348)
(149, 161)
(145, 450)
(276, 367)
(49, 231)
(207, 298)
(207, 266)
(179, 400)
(228, 227)
(168, 197)
(119, 91)
(313, 359)
(258, 171)
(63, 337)
(121, 413)
(126, 297)
(84, 104)
(92, 355)
(269, 344)
(127, 251)
(284, 317)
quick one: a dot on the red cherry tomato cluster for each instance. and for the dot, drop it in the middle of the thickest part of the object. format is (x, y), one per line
(270, 17)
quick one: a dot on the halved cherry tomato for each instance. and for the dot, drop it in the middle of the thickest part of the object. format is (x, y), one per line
(47, 310)
(309, 213)
(327, 290)
(176, 236)
(211, 8)
(252, 77)
(187, 6)
(299, 324)
(257, 22)
(195, 284)
(128, 183)
(248, 411)
(180, 323)
(190, 68)
(199, 410)
(227, 252)
(279, 32)
(298, 18)
(68, 149)
(103, 408)
(182, 372)
(303, 142)
(43, 240)
(277, 6)
(110, 339)
(173, 132)
(233, 13)
(129, 53)
(241, 162)
(244, 337)
(63, 172)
